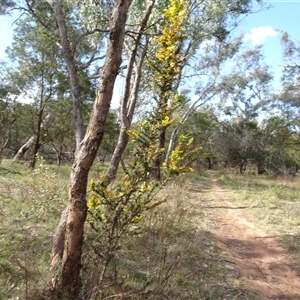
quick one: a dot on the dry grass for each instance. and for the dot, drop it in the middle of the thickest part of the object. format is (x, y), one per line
(172, 256)
(31, 202)
(273, 202)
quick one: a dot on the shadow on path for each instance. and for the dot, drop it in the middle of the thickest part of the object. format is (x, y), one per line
(257, 258)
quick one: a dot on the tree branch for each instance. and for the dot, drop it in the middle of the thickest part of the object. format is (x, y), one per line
(87, 33)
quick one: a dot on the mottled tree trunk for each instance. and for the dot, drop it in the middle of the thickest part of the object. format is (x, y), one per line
(86, 153)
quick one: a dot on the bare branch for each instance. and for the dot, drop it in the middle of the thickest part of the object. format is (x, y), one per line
(87, 33)
(92, 59)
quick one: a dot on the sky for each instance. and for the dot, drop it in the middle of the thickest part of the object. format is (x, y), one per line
(262, 28)
(266, 27)
(259, 27)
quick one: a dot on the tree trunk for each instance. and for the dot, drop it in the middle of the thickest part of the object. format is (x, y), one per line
(25, 151)
(86, 153)
(68, 53)
(58, 249)
(36, 145)
(158, 159)
(261, 168)
(129, 99)
(209, 162)
(202, 99)
(6, 138)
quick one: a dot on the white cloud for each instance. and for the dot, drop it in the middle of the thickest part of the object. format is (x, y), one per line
(24, 99)
(207, 43)
(259, 34)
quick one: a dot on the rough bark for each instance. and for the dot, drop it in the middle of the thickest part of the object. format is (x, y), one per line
(58, 249)
(86, 153)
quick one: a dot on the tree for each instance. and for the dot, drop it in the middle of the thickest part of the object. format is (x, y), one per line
(7, 117)
(210, 45)
(136, 55)
(290, 80)
(282, 149)
(167, 66)
(244, 93)
(59, 136)
(73, 28)
(89, 145)
(33, 74)
(204, 127)
(87, 149)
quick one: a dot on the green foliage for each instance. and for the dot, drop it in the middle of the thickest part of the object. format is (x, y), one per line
(283, 145)
(204, 127)
(133, 195)
(110, 137)
(117, 210)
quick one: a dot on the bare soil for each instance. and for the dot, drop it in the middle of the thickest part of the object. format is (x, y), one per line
(255, 257)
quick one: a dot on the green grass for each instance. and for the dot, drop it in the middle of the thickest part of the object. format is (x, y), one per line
(172, 257)
(273, 202)
(31, 203)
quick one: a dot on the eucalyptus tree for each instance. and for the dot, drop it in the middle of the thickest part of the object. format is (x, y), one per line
(284, 144)
(290, 79)
(88, 147)
(86, 152)
(135, 49)
(17, 118)
(282, 151)
(33, 54)
(245, 93)
(61, 22)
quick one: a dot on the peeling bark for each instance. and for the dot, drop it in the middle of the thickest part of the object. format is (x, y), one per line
(85, 155)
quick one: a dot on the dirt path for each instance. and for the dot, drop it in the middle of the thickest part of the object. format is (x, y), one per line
(256, 258)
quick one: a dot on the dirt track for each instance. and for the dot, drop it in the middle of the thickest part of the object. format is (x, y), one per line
(256, 258)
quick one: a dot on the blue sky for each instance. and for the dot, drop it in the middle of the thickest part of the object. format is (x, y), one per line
(5, 34)
(267, 26)
(282, 16)
(264, 27)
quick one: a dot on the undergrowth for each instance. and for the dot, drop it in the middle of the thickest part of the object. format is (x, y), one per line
(171, 256)
(31, 203)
